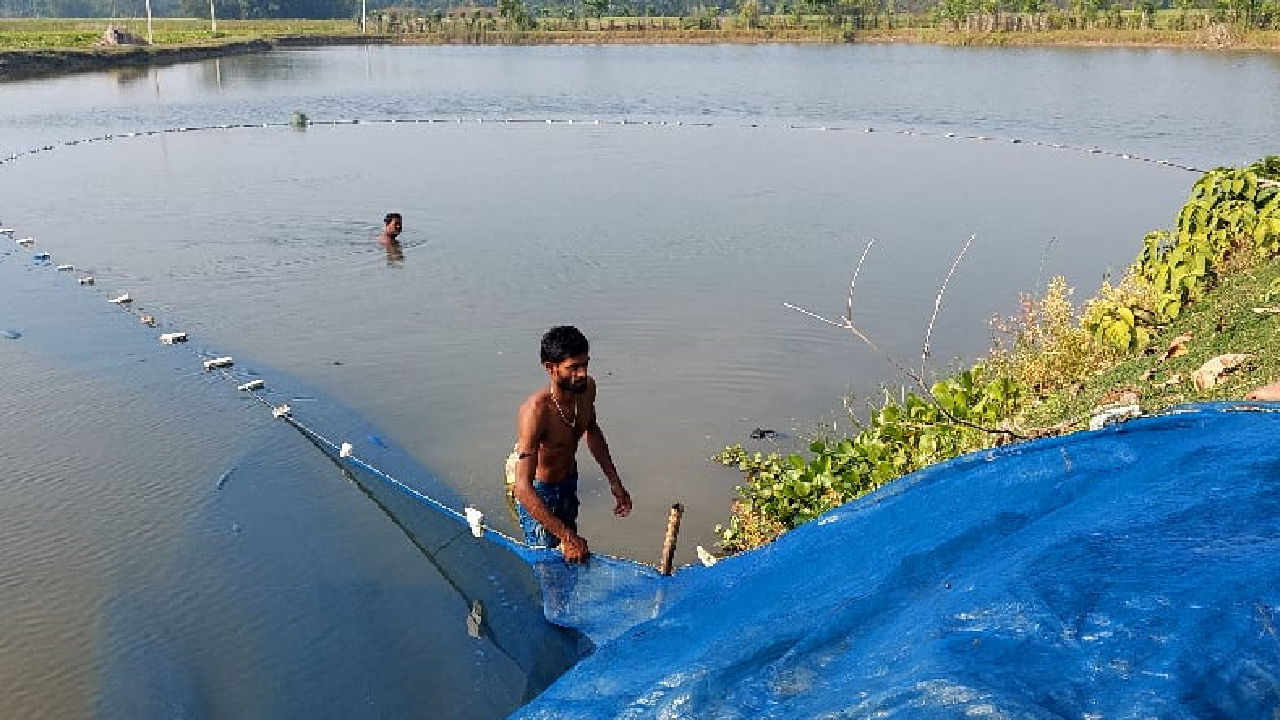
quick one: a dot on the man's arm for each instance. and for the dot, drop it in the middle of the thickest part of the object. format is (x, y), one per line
(528, 432)
(599, 448)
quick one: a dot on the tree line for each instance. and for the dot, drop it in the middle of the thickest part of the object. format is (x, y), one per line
(524, 13)
(241, 9)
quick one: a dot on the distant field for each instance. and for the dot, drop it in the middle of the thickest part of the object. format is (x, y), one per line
(42, 33)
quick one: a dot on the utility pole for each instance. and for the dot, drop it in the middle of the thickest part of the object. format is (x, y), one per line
(149, 34)
(363, 14)
(213, 19)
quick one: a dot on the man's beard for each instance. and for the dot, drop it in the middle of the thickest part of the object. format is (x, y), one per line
(572, 386)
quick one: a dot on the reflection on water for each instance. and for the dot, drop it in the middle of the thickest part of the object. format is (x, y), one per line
(395, 254)
(131, 74)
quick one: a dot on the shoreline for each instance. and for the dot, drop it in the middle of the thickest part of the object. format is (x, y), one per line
(26, 64)
(46, 62)
(23, 64)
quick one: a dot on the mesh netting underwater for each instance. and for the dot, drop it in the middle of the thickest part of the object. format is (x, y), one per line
(598, 599)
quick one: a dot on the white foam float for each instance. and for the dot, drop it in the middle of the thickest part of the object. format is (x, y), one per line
(86, 280)
(66, 268)
(280, 411)
(345, 450)
(173, 337)
(122, 299)
(252, 385)
(219, 362)
(475, 519)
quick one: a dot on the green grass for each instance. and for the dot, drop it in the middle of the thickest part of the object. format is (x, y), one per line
(48, 33)
(1223, 322)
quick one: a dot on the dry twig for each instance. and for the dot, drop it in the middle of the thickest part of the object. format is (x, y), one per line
(937, 305)
(927, 392)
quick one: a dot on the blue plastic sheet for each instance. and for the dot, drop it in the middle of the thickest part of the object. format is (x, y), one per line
(1124, 573)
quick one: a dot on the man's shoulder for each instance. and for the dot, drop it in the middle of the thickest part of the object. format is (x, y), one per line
(536, 401)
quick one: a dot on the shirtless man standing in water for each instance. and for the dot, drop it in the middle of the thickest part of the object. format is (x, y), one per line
(550, 424)
(392, 225)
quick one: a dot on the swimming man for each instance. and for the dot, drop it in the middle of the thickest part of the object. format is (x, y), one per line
(392, 224)
(549, 425)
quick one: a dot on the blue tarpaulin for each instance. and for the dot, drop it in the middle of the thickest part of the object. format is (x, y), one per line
(1131, 572)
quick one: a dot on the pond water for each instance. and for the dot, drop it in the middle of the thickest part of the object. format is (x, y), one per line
(672, 244)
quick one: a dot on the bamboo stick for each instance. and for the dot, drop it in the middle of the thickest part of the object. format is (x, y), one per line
(669, 544)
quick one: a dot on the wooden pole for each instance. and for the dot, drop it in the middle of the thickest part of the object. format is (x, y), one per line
(669, 545)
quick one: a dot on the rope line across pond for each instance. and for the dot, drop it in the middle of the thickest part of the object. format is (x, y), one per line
(256, 388)
(600, 599)
(304, 122)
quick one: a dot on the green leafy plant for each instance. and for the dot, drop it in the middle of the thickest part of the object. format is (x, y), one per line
(1231, 218)
(782, 492)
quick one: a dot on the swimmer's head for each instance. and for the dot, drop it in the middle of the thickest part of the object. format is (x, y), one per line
(393, 223)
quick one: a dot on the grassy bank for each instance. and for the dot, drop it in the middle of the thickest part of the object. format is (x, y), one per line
(1149, 38)
(1195, 318)
(37, 47)
(1239, 316)
(63, 33)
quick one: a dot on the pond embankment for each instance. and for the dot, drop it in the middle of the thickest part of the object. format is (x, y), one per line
(261, 36)
(28, 63)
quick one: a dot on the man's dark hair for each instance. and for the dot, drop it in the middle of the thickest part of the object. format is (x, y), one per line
(563, 342)
(391, 216)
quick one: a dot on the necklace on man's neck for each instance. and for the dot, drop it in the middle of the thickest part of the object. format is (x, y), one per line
(574, 422)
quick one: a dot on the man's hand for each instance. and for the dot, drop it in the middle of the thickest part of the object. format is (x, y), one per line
(623, 506)
(574, 547)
